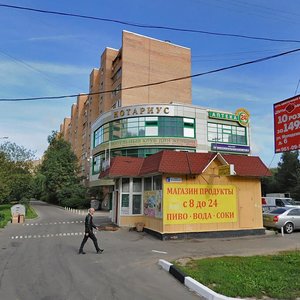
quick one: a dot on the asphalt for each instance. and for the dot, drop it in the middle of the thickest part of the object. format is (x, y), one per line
(269, 243)
(130, 259)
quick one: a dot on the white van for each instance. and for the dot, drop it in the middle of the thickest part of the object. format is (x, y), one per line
(269, 203)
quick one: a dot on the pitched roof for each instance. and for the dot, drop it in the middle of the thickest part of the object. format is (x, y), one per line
(247, 165)
(174, 162)
(121, 166)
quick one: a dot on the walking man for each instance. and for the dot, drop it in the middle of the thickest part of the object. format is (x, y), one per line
(89, 225)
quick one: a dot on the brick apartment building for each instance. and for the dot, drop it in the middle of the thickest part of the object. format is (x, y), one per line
(140, 60)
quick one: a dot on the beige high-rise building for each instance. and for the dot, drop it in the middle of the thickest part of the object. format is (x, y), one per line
(141, 61)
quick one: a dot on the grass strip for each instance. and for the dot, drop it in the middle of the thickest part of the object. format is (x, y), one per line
(275, 276)
(5, 214)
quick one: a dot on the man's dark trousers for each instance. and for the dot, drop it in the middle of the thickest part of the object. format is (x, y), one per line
(91, 236)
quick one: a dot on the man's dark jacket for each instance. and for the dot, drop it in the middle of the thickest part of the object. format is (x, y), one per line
(89, 224)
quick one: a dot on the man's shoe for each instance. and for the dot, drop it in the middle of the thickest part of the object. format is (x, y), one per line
(81, 252)
(100, 251)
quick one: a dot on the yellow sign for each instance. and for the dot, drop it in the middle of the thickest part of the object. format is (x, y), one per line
(226, 170)
(193, 203)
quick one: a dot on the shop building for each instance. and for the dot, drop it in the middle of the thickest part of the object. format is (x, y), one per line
(183, 194)
(175, 167)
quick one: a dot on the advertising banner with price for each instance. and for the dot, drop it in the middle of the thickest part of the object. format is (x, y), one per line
(193, 203)
(287, 125)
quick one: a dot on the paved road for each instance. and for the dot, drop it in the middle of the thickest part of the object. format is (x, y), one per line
(40, 261)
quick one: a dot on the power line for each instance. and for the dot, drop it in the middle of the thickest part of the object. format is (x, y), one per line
(149, 26)
(296, 91)
(154, 83)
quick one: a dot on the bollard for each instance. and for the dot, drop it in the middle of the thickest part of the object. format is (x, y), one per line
(282, 231)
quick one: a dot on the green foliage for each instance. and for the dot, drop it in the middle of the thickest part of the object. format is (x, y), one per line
(15, 172)
(288, 173)
(256, 276)
(57, 180)
(286, 177)
(5, 214)
(73, 196)
(38, 186)
(30, 212)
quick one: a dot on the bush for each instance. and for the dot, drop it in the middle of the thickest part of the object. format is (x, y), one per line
(73, 196)
(24, 201)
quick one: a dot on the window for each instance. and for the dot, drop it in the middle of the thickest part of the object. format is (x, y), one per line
(137, 185)
(98, 136)
(294, 212)
(96, 164)
(148, 184)
(151, 126)
(188, 127)
(226, 134)
(146, 127)
(278, 202)
(170, 126)
(125, 204)
(116, 91)
(117, 75)
(157, 183)
(136, 204)
(125, 185)
(131, 198)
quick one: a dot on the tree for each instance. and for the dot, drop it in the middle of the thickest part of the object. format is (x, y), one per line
(60, 168)
(288, 172)
(15, 172)
(269, 184)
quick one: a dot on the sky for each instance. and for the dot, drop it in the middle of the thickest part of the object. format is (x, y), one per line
(51, 55)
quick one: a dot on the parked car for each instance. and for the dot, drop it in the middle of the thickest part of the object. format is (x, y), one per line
(288, 218)
(270, 203)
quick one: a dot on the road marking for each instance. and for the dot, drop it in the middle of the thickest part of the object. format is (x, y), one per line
(54, 223)
(39, 236)
(162, 252)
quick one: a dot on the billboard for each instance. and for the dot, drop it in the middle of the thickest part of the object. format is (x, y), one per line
(287, 125)
(194, 203)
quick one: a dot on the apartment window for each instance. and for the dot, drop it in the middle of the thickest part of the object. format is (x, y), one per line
(226, 134)
(117, 75)
(116, 91)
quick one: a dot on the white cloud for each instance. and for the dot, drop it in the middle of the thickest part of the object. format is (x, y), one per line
(53, 38)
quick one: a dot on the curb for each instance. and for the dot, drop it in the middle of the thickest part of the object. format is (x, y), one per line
(191, 283)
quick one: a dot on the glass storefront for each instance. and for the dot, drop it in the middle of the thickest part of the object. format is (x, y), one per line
(145, 127)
